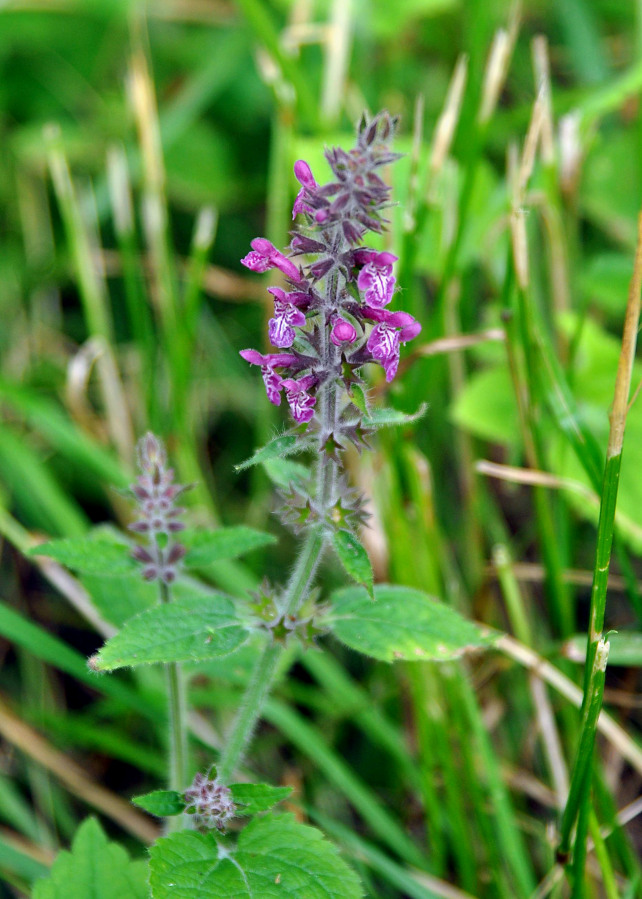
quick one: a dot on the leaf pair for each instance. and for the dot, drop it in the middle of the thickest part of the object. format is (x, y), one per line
(401, 623)
(249, 799)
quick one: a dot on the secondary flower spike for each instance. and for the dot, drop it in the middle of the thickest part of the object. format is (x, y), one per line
(156, 494)
(332, 315)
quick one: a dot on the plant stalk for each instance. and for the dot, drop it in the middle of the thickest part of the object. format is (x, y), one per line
(177, 716)
(597, 648)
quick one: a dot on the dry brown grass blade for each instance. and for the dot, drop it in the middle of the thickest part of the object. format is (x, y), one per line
(68, 772)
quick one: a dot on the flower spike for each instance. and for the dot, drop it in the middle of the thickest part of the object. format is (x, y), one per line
(328, 329)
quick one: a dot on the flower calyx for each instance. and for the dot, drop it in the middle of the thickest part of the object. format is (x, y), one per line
(282, 626)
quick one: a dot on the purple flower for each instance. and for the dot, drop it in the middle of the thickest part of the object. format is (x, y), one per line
(375, 278)
(342, 331)
(301, 402)
(273, 381)
(273, 360)
(265, 255)
(303, 174)
(409, 326)
(392, 329)
(280, 328)
(383, 343)
(286, 317)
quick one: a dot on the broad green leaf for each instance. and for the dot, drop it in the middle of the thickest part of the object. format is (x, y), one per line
(604, 280)
(625, 648)
(285, 445)
(205, 547)
(284, 472)
(97, 553)
(402, 623)
(94, 868)
(385, 418)
(354, 558)
(119, 597)
(275, 858)
(190, 628)
(486, 406)
(253, 798)
(610, 187)
(161, 803)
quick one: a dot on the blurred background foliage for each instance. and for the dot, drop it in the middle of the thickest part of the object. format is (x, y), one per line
(142, 146)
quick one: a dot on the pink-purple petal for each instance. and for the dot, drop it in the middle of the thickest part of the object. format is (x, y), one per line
(303, 174)
(256, 262)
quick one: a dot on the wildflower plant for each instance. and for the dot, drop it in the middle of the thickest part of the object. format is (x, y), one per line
(333, 317)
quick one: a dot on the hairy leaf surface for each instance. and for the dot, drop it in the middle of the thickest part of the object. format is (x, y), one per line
(354, 558)
(253, 798)
(275, 858)
(205, 547)
(94, 868)
(191, 628)
(402, 623)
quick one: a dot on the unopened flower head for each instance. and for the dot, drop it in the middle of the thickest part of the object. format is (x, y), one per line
(332, 318)
(156, 493)
(210, 802)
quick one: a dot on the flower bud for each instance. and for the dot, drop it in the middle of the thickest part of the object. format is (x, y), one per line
(342, 332)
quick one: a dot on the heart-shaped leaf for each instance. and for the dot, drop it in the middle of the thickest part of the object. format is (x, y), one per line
(275, 858)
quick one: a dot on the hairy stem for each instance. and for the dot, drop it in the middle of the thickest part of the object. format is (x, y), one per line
(310, 554)
(177, 715)
(250, 710)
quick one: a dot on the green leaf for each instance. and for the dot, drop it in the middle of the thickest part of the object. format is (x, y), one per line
(401, 624)
(486, 406)
(354, 558)
(190, 628)
(285, 445)
(119, 597)
(161, 803)
(275, 858)
(253, 798)
(94, 867)
(205, 547)
(284, 472)
(99, 552)
(385, 418)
